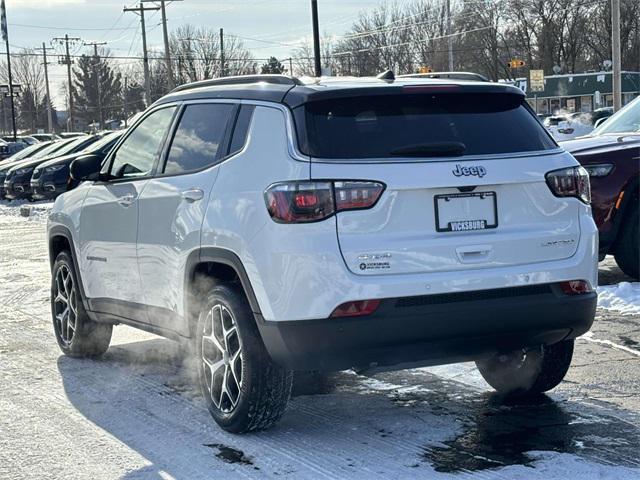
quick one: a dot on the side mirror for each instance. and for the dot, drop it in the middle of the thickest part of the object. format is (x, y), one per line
(86, 168)
(600, 121)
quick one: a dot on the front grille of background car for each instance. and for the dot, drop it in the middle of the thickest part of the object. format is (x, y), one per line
(493, 294)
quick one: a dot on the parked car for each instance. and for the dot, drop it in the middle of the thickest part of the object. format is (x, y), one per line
(566, 126)
(72, 134)
(8, 149)
(611, 155)
(51, 178)
(278, 225)
(25, 153)
(45, 137)
(26, 139)
(573, 125)
(9, 163)
(17, 183)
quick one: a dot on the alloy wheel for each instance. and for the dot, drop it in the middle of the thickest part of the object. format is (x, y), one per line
(65, 305)
(222, 358)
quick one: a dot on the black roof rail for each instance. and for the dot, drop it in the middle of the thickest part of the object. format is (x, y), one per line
(240, 80)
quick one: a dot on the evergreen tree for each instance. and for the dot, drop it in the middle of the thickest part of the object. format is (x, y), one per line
(94, 76)
(273, 66)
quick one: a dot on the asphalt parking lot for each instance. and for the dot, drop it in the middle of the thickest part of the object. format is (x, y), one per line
(135, 414)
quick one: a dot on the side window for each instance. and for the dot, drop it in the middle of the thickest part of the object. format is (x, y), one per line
(138, 153)
(199, 137)
(241, 129)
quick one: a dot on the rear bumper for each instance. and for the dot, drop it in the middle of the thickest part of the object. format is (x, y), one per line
(432, 330)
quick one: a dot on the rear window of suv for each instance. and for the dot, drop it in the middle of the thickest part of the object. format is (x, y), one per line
(419, 125)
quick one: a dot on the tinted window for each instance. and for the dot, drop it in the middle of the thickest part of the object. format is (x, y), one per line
(241, 129)
(381, 126)
(137, 154)
(199, 137)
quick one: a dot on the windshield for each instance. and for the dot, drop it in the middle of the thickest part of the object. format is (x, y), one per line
(103, 142)
(27, 152)
(419, 125)
(74, 144)
(626, 120)
(45, 152)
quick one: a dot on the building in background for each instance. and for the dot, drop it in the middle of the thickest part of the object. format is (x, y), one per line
(579, 92)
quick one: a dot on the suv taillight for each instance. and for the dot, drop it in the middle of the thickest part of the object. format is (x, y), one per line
(570, 182)
(309, 201)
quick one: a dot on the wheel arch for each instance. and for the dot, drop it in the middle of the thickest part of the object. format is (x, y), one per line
(631, 195)
(216, 264)
(59, 240)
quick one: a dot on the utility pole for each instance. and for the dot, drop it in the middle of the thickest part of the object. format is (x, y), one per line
(165, 33)
(449, 37)
(139, 10)
(615, 56)
(66, 60)
(316, 38)
(5, 36)
(124, 100)
(46, 81)
(96, 73)
(290, 67)
(222, 73)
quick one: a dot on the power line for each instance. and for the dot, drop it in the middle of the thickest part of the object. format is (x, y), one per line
(79, 29)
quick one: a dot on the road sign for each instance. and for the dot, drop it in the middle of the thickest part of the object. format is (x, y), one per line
(425, 70)
(515, 63)
(536, 80)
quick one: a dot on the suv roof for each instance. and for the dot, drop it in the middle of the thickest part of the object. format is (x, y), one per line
(294, 91)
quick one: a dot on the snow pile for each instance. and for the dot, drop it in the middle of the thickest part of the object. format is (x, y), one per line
(623, 297)
(39, 211)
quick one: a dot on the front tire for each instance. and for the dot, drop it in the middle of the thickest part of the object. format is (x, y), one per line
(627, 252)
(528, 371)
(243, 389)
(77, 335)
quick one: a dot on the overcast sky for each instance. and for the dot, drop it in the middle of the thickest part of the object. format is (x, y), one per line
(287, 22)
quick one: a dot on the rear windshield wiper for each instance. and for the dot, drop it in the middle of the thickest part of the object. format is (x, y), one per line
(433, 149)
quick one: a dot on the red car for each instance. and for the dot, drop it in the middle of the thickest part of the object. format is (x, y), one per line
(611, 155)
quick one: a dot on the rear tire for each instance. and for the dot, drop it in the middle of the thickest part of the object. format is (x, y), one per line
(528, 371)
(77, 335)
(627, 252)
(243, 389)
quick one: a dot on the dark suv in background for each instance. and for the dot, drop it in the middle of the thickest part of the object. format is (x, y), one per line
(51, 178)
(17, 183)
(611, 155)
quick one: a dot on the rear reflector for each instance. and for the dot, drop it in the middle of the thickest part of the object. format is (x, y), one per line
(575, 287)
(356, 309)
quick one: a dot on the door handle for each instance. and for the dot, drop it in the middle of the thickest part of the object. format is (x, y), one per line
(192, 195)
(126, 200)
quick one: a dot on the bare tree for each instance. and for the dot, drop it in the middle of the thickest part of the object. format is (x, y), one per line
(28, 71)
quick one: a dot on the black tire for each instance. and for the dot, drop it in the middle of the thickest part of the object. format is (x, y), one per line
(627, 253)
(261, 389)
(87, 338)
(528, 372)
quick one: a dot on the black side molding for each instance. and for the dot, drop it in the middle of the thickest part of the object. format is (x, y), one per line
(225, 257)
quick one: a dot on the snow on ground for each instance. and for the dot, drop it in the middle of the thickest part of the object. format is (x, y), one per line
(623, 297)
(136, 413)
(38, 211)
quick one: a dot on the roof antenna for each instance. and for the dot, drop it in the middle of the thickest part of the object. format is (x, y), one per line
(387, 75)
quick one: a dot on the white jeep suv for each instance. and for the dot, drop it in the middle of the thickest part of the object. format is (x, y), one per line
(277, 225)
